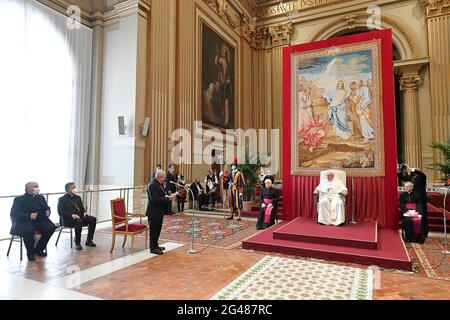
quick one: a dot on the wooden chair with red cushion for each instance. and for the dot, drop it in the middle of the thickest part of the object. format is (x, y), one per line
(121, 226)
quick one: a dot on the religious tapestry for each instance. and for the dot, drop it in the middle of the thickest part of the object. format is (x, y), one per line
(217, 83)
(336, 110)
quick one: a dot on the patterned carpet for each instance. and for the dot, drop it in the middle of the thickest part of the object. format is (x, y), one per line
(216, 232)
(208, 231)
(277, 278)
(428, 259)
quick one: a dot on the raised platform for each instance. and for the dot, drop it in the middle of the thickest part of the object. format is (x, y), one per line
(390, 252)
(361, 235)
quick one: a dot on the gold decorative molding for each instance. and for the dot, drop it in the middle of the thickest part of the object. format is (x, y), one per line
(241, 23)
(436, 7)
(100, 17)
(130, 6)
(271, 37)
(360, 19)
(261, 39)
(221, 7)
(405, 64)
(248, 27)
(351, 20)
(281, 34)
(282, 7)
(62, 7)
(411, 83)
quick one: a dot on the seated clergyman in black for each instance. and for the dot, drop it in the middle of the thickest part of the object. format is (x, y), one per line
(413, 226)
(73, 215)
(31, 213)
(199, 195)
(269, 204)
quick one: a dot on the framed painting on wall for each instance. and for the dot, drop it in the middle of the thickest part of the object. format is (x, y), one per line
(217, 79)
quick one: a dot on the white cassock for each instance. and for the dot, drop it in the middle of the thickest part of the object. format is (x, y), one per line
(331, 208)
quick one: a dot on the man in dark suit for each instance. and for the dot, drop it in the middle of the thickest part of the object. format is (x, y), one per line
(158, 167)
(170, 188)
(158, 201)
(31, 213)
(212, 184)
(73, 215)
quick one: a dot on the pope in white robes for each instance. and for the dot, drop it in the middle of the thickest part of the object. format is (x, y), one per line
(331, 207)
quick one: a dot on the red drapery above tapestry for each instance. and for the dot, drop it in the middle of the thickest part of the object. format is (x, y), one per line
(375, 198)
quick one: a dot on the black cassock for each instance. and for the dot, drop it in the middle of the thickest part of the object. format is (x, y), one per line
(22, 225)
(408, 225)
(271, 194)
(420, 187)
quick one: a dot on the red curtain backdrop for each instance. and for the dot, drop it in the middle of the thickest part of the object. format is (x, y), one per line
(375, 198)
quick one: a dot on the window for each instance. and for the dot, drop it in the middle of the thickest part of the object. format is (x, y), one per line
(39, 91)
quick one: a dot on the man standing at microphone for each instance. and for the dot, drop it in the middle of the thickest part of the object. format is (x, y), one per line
(158, 202)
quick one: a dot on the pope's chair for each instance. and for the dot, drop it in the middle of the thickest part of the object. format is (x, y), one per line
(17, 238)
(339, 175)
(121, 226)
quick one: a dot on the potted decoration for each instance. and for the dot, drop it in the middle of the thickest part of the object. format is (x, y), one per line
(250, 169)
(444, 167)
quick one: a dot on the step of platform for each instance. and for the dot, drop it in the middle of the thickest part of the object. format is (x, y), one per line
(361, 235)
(391, 251)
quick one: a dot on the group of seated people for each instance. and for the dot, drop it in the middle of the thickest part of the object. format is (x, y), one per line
(30, 213)
(176, 183)
(207, 195)
(331, 207)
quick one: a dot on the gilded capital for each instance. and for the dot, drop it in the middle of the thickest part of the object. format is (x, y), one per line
(411, 83)
(260, 39)
(281, 34)
(436, 7)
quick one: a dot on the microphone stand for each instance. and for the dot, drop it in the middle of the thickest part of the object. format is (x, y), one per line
(353, 202)
(227, 198)
(446, 251)
(192, 249)
(230, 194)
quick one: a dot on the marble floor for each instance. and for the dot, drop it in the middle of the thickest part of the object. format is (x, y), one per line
(95, 274)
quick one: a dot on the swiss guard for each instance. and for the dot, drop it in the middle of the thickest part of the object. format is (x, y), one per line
(234, 180)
